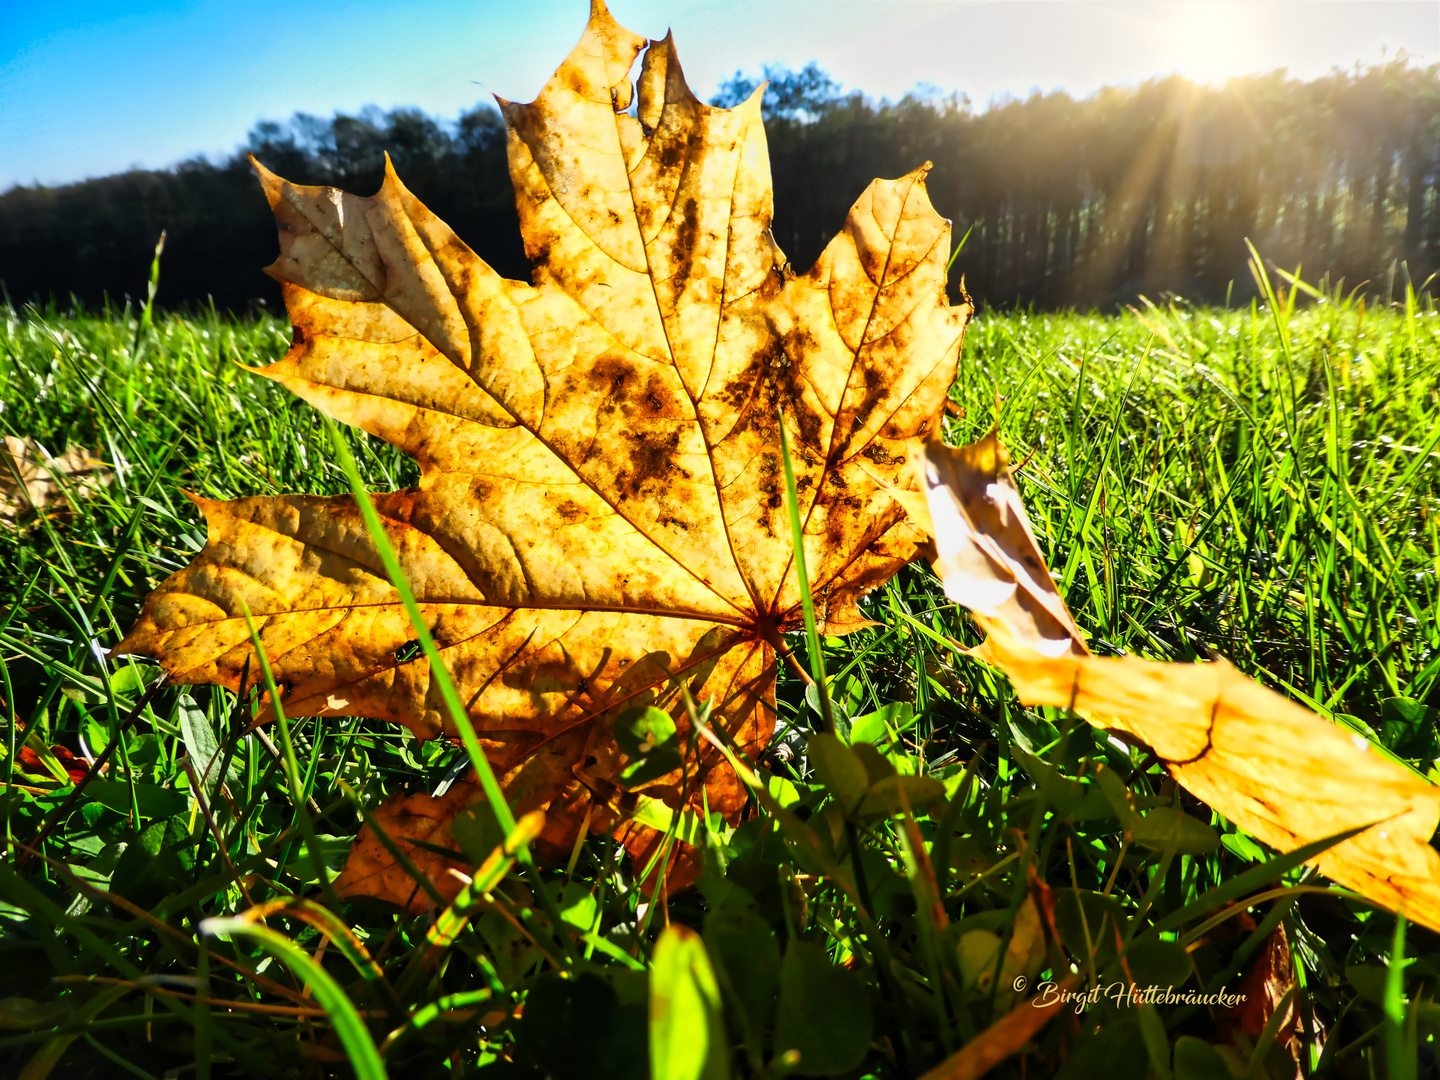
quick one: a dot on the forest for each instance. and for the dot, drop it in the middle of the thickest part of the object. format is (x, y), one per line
(1149, 190)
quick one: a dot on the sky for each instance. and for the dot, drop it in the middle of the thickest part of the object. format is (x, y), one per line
(92, 87)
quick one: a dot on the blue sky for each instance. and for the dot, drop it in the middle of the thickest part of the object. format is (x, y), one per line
(92, 87)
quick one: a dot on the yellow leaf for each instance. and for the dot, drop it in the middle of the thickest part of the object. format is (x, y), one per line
(1277, 770)
(600, 515)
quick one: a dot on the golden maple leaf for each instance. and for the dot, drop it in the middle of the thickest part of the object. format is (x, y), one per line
(601, 512)
(1276, 769)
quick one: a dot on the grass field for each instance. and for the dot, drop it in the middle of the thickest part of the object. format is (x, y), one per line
(1261, 483)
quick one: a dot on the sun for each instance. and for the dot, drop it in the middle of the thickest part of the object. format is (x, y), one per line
(1211, 40)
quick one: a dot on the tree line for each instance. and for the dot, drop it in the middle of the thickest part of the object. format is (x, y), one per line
(1063, 202)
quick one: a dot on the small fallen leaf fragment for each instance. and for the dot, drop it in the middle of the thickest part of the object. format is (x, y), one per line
(370, 870)
(1270, 978)
(69, 766)
(600, 518)
(1279, 771)
(987, 556)
(31, 480)
(1025, 955)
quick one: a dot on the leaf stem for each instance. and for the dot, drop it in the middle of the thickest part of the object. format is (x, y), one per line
(772, 637)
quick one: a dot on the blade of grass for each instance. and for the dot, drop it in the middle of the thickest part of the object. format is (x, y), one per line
(797, 539)
(354, 1036)
(292, 766)
(42, 1063)
(459, 715)
(1399, 1058)
(1249, 880)
(20, 892)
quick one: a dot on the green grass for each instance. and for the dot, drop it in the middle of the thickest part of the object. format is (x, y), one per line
(1203, 480)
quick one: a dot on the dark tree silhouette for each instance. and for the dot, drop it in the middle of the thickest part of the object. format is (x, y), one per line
(1150, 189)
(1146, 190)
(90, 240)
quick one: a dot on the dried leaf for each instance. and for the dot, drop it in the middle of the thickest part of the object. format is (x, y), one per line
(986, 553)
(1025, 955)
(1277, 770)
(372, 871)
(600, 515)
(30, 479)
(1269, 979)
(54, 762)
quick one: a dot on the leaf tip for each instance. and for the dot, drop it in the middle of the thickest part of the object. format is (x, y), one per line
(269, 182)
